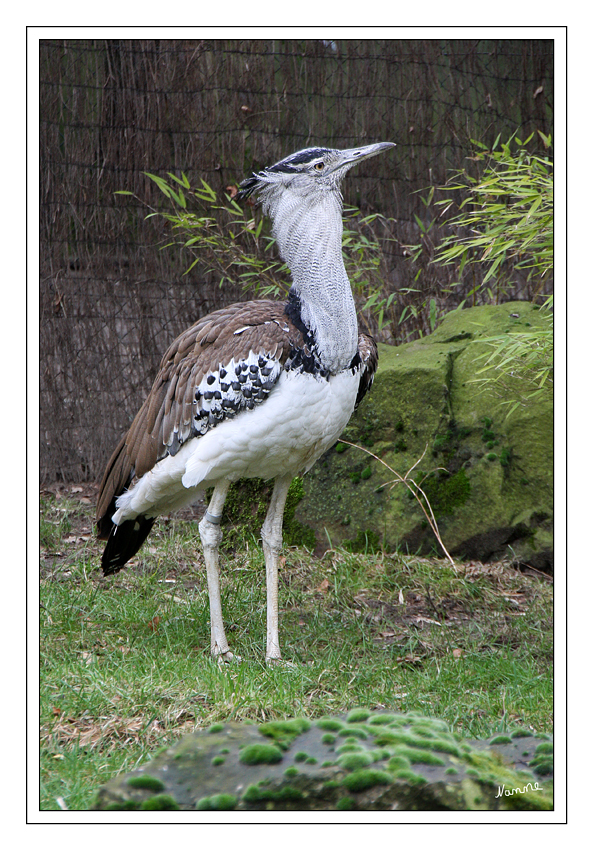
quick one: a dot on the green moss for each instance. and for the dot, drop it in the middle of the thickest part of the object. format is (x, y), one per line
(446, 492)
(257, 794)
(285, 731)
(148, 783)
(381, 719)
(216, 727)
(354, 761)
(366, 473)
(245, 510)
(418, 756)
(217, 803)
(546, 748)
(430, 724)
(300, 756)
(160, 803)
(425, 733)
(328, 724)
(491, 456)
(543, 765)
(291, 771)
(350, 748)
(358, 715)
(451, 771)
(522, 733)
(353, 732)
(340, 447)
(260, 754)
(224, 751)
(124, 806)
(409, 776)
(501, 739)
(399, 762)
(441, 442)
(388, 737)
(328, 739)
(381, 753)
(218, 760)
(363, 779)
(345, 804)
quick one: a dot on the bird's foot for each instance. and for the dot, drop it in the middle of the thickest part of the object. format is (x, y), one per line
(227, 657)
(279, 662)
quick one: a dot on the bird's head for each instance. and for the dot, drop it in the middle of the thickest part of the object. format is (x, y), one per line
(306, 175)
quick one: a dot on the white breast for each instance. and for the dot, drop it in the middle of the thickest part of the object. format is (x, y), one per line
(302, 417)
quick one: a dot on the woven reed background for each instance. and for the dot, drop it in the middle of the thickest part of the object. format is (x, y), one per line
(110, 300)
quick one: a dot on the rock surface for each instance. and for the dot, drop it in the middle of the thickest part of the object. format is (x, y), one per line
(363, 761)
(495, 498)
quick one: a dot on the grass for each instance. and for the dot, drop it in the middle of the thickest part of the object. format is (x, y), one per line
(125, 666)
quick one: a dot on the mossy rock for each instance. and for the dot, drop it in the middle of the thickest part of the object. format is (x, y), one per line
(245, 510)
(394, 761)
(489, 477)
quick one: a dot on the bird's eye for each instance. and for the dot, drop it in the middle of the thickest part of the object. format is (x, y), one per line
(318, 166)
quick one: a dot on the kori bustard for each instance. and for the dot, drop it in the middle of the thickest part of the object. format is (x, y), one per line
(256, 390)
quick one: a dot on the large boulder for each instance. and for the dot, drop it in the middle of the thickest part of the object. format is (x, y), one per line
(493, 495)
(362, 762)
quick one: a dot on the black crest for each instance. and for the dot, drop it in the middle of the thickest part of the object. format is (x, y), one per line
(289, 165)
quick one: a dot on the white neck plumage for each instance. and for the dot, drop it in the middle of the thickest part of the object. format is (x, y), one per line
(309, 235)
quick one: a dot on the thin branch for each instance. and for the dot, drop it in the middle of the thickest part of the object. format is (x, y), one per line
(414, 490)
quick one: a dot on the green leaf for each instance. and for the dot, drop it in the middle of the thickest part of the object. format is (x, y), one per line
(182, 182)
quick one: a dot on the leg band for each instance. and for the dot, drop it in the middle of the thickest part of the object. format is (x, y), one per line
(215, 520)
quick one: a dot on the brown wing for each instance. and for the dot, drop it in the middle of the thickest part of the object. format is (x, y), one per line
(225, 363)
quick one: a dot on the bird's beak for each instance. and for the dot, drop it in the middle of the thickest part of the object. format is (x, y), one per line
(351, 156)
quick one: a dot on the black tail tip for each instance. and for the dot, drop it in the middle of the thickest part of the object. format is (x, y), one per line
(123, 543)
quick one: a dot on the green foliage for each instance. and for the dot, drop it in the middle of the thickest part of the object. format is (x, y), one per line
(523, 360)
(235, 246)
(505, 220)
(503, 225)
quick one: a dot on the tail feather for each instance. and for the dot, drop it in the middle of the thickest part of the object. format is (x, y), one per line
(123, 543)
(117, 478)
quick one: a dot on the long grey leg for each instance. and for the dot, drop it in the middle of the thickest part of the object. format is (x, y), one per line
(211, 535)
(271, 533)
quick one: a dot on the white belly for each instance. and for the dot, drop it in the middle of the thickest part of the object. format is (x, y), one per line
(302, 417)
